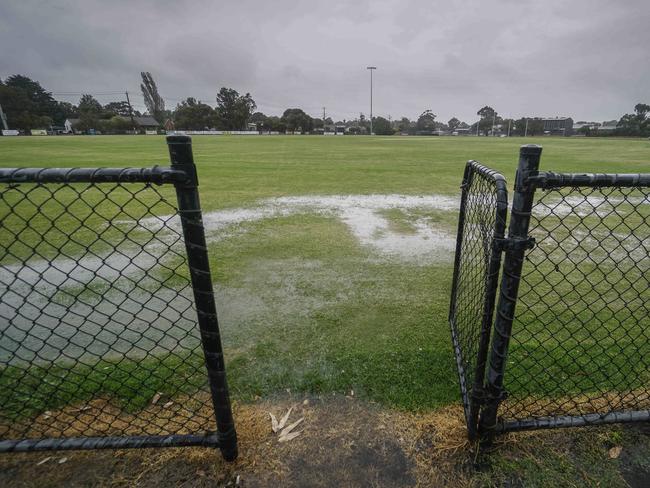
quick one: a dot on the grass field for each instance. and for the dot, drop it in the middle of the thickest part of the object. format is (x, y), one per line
(332, 256)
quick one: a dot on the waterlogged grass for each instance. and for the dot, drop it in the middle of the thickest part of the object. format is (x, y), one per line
(29, 391)
(309, 308)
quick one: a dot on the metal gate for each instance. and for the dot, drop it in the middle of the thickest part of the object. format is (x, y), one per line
(569, 343)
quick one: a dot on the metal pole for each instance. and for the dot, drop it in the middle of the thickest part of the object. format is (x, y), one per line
(130, 110)
(3, 117)
(526, 131)
(189, 208)
(509, 122)
(371, 68)
(522, 204)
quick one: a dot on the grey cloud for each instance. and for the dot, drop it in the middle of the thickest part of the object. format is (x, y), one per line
(585, 58)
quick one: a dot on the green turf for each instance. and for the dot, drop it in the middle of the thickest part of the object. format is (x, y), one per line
(332, 315)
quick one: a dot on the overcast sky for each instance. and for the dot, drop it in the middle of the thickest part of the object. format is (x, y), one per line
(589, 59)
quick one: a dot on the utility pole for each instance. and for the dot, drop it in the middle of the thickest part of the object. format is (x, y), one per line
(478, 124)
(526, 131)
(494, 119)
(4, 119)
(323, 120)
(130, 110)
(509, 122)
(371, 68)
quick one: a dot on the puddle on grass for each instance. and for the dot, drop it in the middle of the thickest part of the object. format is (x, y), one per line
(111, 305)
(361, 213)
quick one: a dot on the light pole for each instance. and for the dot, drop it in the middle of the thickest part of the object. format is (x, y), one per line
(371, 68)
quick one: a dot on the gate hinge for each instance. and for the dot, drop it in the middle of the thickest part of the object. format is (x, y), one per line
(511, 244)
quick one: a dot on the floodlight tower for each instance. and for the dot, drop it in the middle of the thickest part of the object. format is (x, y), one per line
(371, 68)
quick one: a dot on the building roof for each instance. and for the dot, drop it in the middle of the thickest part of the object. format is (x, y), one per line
(145, 121)
(142, 121)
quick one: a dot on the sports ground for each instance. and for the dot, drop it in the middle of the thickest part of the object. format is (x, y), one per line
(332, 260)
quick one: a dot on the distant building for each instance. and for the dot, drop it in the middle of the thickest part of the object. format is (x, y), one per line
(608, 126)
(144, 122)
(558, 126)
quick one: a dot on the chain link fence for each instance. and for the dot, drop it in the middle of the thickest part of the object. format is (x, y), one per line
(107, 317)
(569, 343)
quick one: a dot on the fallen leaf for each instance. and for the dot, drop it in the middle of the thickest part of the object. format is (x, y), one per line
(289, 428)
(288, 437)
(155, 398)
(63, 460)
(43, 461)
(168, 404)
(274, 422)
(615, 452)
(284, 419)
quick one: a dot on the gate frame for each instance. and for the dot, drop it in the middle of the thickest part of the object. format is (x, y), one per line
(182, 174)
(472, 402)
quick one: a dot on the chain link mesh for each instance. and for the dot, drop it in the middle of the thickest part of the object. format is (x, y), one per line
(580, 341)
(482, 220)
(98, 333)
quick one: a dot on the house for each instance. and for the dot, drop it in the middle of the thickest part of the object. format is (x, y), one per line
(144, 122)
(558, 126)
(608, 126)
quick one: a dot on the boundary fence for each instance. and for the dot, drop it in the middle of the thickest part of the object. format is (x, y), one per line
(107, 311)
(569, 341)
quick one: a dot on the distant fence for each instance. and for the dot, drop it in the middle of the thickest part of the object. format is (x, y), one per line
(569, 342)
(108, 328)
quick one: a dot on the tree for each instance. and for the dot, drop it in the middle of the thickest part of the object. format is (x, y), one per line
(636, 124)
(426, 122)
(27, 105)
(118, 108)
(382, 126)
(453, 123)
(234, 110)
(297, 120)
(488, 118)
(193, 115)
(152, 99)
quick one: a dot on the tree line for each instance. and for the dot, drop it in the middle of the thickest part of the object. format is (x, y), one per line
(27, 105)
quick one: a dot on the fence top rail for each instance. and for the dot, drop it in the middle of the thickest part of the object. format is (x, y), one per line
(545, 180)
(156, 174)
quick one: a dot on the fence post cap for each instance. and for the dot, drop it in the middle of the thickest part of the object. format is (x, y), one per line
(179, 139)
(530, 149)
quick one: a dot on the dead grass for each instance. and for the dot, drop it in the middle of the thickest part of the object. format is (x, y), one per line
(344, 442)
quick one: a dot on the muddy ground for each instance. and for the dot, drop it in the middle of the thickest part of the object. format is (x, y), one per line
(346, 442)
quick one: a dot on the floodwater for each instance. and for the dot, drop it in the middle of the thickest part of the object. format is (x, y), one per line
(111, 306)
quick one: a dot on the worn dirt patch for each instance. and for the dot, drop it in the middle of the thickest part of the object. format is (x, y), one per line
(343, 442)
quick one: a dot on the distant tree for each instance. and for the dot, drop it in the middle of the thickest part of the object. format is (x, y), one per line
(296, 119)
(426, 121)
(234, 110)
(404, 125)
(636, 124)
(382, 126)
(152, 100)
(488, 117)
(193, 115)
(535, 126)
(26, 104)
(274, 123)
(118, 108)
(453, 123)
(89, 105)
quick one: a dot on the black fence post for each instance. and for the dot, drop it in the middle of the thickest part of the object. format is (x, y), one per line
(522, 204)
(189, 208)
